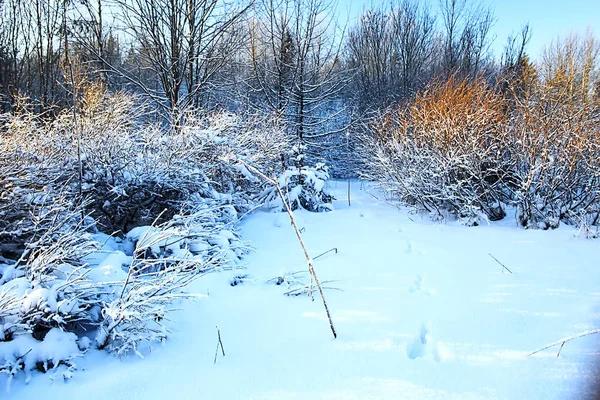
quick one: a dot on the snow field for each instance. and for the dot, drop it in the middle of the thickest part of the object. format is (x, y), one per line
(424, 312)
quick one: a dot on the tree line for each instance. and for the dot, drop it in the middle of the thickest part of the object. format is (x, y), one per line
(294, 58)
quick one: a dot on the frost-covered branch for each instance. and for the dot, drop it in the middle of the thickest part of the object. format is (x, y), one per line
(562, 341)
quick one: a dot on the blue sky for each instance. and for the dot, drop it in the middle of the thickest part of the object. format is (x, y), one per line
(548, 19)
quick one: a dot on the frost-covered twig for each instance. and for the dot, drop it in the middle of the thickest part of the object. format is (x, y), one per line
(562, 342)
(137, 315)
(307, 289)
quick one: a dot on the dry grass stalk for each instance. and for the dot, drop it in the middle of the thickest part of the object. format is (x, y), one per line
(309, 260)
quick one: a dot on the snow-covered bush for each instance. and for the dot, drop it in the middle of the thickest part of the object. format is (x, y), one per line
(556, 147)
(68, 286)
(466, 150)
(25, 354)
(133, 167)
(443, 153)
(34, 172)
(162, 261)
(304, 187)
(557, 137)
(46, 294)
(219, 140)
(161, 266)
(174, 195)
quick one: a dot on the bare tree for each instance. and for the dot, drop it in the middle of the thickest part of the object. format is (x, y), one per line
(514, 50)
(370, 52)
(466, 36)
(13, 49)
(30, 50)
(391, 51)
(413, 34)
(182, 43)
(90, 38)
(516, 72)
(272, 54)
(295, 53)
(46, 25)
(571, 67)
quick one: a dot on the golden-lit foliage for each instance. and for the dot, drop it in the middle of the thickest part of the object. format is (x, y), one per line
(448, 115)
(531, 141)
(570, 68)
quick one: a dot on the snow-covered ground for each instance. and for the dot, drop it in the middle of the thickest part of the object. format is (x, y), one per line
(423, 312)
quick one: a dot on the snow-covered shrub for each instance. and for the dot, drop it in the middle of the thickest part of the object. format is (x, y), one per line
(56, 292)
(133, 167)
(219, 140)
(557, 138)
(137, 314)
(46, 294)
(148, 168)
(443, 153)
(163, 260)
(25, 354)
(556, 176)
(200, 233)
(304, 187)
(34, 172)
(464, 149)
(173, 196)
(48, 284)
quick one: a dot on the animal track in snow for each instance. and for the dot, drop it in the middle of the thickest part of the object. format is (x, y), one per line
(417, 287)
(410, 249)
(423, 345)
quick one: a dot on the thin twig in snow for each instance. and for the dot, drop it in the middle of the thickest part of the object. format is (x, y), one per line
(219, 344)
(562, 342)
(503, 266)
(328, 251)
